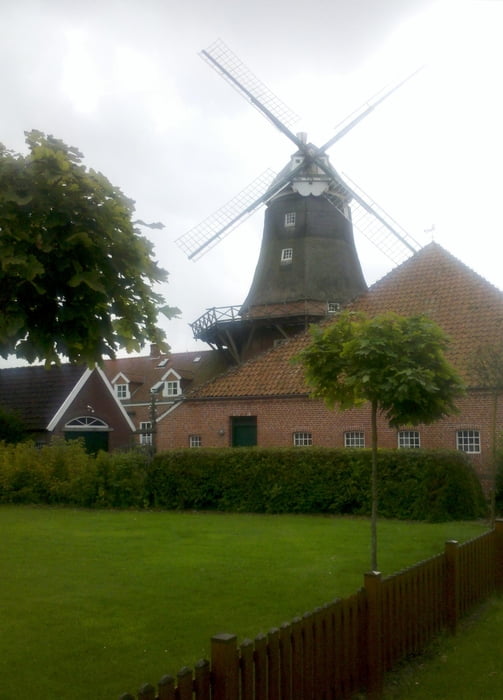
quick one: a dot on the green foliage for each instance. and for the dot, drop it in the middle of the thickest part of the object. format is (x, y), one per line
(12, 428)
(392, 361)
(76, 276)
(414, 484)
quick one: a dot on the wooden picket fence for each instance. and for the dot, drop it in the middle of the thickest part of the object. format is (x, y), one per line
(346, 646)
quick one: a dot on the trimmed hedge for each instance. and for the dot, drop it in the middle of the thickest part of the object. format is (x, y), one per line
(414, 484)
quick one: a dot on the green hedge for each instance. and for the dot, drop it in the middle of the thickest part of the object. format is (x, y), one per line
(414, 484)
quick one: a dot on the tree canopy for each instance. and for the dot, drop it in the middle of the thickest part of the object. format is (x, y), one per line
(76, 274)
(395, 363)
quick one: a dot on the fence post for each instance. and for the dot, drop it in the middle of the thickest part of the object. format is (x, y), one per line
(224, 667)
(452, 589)
(498, 531)
(375, 671)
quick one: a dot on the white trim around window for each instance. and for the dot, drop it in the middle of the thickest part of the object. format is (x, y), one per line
(409, 439)
(468, 441)
(302, 439)
(354, 438)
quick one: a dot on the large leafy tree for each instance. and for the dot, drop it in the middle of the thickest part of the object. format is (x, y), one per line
(76, 275)
(396, 364)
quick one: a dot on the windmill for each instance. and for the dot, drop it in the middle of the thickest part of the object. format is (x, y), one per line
(308, 266)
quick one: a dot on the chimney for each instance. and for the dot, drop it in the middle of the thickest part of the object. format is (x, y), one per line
(154, 350)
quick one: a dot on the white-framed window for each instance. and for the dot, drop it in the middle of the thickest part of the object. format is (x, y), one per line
(122, 391)
(354, 438)
(289, 219)
(287, 255)
(468, 441)
(195, 441)
(409, 438)
(302, 439)
(146, 432)
(172, 387)
(333, 307)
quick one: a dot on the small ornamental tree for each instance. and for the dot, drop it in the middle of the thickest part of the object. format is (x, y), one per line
(394, 363)
(76, 274)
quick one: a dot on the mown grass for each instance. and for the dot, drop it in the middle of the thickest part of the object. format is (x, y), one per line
(94, 603)
(463, 667)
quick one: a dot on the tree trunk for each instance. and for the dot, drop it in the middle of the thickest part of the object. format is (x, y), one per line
(374, 491)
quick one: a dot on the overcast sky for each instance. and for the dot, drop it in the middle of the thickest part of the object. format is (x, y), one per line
(122, 80)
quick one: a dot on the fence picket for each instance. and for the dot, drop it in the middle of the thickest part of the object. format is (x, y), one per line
(346, 645)
(247, 672)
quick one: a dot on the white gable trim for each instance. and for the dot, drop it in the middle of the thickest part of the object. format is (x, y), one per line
(118, 403)
(118, 377)
(76, 390)
(71, 397)
(171, 373)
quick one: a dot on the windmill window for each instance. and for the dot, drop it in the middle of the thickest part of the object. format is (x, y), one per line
(290, 219)
(354, 438)
(409, 439)
(286, 255)
(468, 441)
(302, 439)
(146, 433)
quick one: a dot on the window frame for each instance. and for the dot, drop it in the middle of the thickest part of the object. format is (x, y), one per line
(405, 436)
(286, 256)
(172, 387)
(302, 438)
(290, 218)
(145, 436)
(352, 441)
(195, 441)
(468, 438)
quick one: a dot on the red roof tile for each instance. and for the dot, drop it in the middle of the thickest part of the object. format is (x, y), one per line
(432, 282)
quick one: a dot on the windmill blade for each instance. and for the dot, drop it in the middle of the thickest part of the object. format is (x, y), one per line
(377, 225)
(225, 62)
(356, 117)
(218, 225)
(199, 240)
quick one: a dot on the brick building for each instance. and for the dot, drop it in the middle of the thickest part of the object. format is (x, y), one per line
(265, 401)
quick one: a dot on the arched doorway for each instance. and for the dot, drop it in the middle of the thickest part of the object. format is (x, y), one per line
(92, 430)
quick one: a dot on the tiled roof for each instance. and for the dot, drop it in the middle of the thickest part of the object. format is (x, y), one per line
(143, 372)
(432, 282)
(36, 393)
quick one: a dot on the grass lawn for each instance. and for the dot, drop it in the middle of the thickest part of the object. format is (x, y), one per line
(463, 667)
(94, 603)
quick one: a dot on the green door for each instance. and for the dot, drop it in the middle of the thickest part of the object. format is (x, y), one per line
(94, 440)
(244, 431)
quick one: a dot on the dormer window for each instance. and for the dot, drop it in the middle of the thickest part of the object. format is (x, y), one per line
(289, 219)
(286, 255)
(333, 307)
(120, 384)
(172, 388)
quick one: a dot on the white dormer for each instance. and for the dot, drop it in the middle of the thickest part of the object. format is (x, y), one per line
(172, 386)
(120, 384)
(169, 386)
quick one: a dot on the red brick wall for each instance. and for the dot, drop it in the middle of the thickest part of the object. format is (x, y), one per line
(278, 419)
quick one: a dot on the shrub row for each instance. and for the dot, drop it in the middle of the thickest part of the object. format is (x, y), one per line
(413, 484)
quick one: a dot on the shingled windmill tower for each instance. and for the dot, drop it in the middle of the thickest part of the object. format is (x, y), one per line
(308, 266)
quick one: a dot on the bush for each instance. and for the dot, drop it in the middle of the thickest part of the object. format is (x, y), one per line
(413, 484)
